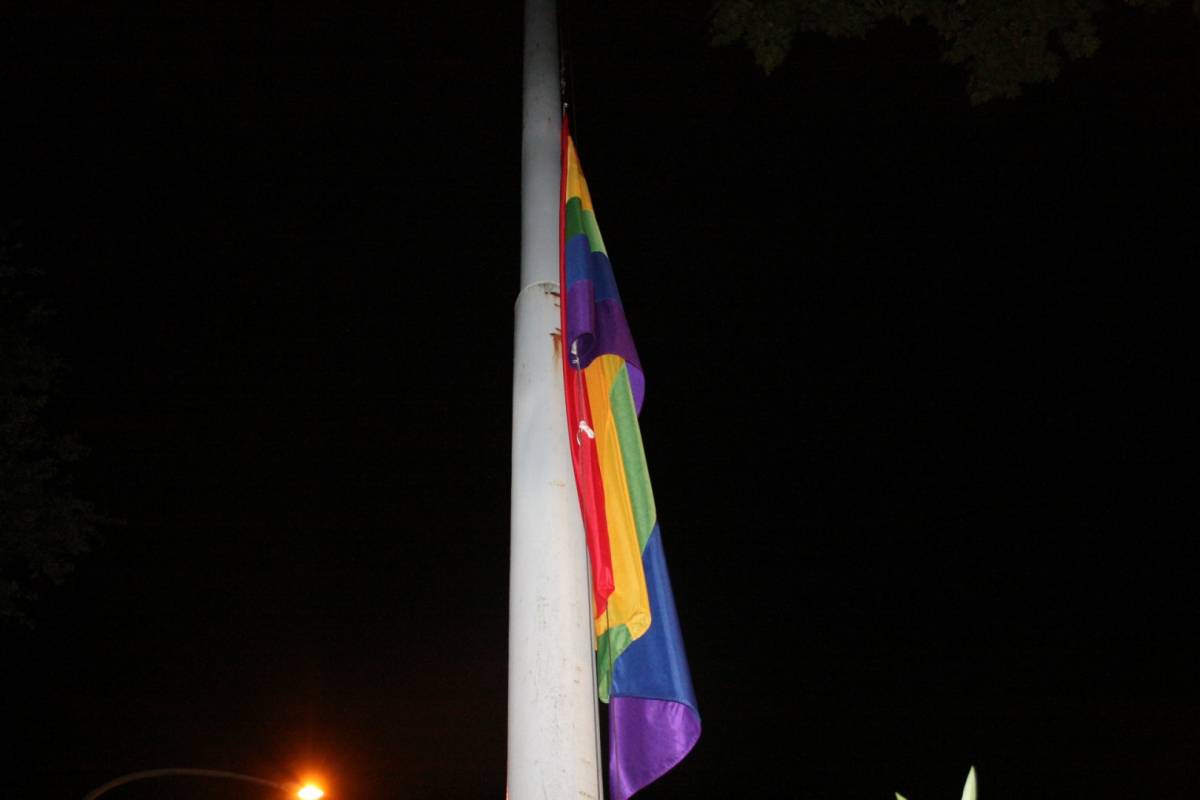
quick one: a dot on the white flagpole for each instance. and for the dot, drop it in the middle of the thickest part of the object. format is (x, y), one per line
(553, 746)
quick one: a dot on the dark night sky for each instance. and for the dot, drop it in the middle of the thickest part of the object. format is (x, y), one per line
(912, 410)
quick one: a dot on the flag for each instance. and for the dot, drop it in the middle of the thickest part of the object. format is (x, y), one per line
(642, 671)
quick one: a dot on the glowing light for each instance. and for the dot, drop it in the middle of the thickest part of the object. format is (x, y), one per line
(310, 792)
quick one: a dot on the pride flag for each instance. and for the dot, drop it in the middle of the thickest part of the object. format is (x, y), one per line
(642, 671)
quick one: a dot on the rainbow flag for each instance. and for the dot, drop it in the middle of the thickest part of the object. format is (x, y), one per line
(642, 671)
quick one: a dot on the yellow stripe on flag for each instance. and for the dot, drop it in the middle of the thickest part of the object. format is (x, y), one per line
(576, 185)
(629, 604)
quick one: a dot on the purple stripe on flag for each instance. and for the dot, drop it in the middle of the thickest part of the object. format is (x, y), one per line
(599, 328)
(581, 323)
(646, 739)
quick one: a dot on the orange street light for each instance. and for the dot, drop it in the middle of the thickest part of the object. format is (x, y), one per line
(310, 792)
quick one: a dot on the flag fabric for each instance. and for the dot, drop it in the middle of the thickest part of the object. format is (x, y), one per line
(642, 671)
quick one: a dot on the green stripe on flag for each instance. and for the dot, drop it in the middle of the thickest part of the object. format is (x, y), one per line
(637, 476)
(609, 647)
(593, 232)
(580, 221)
(574, 217)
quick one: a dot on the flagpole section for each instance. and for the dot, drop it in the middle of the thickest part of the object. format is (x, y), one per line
(553, 746)
(541, 146)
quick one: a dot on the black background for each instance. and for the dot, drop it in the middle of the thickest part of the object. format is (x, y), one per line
(913, 409)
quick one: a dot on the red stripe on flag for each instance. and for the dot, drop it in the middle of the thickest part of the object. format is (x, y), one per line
(580, 428)
(591, 489)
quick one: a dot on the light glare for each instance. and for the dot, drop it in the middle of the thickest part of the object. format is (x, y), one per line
(310, 792)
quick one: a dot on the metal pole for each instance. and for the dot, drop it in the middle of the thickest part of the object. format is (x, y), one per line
(553, 747)
(541, 142)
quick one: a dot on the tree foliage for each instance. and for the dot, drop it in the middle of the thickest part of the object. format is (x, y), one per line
(1003, 44)
(44, 526)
